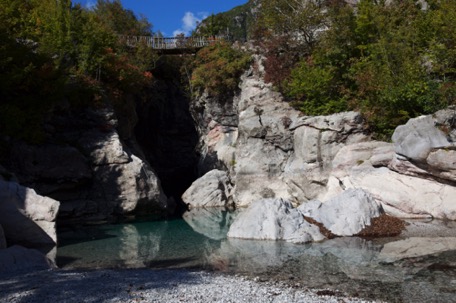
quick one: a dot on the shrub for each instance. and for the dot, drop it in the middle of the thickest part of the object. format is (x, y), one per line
(217, 69)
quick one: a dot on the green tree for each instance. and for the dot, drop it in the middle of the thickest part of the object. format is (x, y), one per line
(217, 69)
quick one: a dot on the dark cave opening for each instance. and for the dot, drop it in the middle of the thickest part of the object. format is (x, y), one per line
(167, 134)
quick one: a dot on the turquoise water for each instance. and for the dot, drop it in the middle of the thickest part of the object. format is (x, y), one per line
(170, 243)
(419, 266)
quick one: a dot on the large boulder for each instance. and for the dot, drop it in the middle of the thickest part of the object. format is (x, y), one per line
(18, 258)
(346, 214)
(27, 218)
(426, 148)
(214, 189)
(274, 219)
(363, 166)
(418, 137)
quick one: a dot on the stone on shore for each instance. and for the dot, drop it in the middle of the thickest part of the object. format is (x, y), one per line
(274, 219)
(27, 218)
(346, 214)
(214, 189)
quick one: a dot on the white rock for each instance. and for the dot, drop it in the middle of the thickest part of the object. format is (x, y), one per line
(417, 137)
(346, 214)
(274, 219)
(26, 217)
(400, 195)
(211, 190)
(130, 186)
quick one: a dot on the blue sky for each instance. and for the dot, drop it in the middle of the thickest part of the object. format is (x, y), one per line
(174, 16)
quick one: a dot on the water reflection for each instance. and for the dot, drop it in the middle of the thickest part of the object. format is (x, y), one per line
(419, 266)
(212, 223)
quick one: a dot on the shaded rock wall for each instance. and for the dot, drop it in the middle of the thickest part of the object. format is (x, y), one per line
(167, 133)
(91, 163)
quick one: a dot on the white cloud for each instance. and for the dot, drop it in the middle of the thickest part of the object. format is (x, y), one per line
(189, 23)
(90, 4)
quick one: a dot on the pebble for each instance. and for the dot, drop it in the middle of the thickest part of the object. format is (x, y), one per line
(147, 285)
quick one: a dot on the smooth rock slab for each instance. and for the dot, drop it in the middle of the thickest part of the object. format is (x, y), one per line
(416, 247)
(274, 219)
(211, 190)
(346, 214)
(355, 166)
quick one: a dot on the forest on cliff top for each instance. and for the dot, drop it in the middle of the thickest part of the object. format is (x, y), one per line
(391, 60)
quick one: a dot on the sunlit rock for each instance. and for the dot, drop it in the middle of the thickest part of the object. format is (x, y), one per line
(27, 218)
(274, 219)
(362, 166)
(426, 147)
(214, 189)
(346, 214)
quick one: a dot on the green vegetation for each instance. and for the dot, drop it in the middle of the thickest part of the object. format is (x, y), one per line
(390, 61)
(217, 69)
(52, 51)
(238, 22)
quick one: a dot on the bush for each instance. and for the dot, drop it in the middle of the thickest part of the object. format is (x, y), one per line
(217, 69)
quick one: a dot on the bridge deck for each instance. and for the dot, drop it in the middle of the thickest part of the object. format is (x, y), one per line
(176, 43)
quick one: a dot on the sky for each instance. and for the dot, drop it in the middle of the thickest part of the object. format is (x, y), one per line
(172, 17)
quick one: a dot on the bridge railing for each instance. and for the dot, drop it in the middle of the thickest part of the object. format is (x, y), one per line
(170, 43)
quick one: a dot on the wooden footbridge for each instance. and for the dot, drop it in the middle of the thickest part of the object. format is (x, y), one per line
(174, 45)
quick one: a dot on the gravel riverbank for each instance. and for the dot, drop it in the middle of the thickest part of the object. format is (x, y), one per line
(147, 285)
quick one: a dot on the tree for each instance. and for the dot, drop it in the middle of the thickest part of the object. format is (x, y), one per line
(218, 68)
(301, 20)
(122, 21)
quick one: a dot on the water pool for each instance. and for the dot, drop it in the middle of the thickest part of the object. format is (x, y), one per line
(418, 266)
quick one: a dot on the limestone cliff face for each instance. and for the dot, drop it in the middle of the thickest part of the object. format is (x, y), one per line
(270, 149)
(413, 177)
(91, 163)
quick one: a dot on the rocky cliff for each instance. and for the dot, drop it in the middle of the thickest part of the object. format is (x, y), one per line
(271, 150)
(91, 163)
